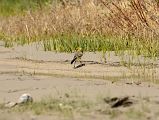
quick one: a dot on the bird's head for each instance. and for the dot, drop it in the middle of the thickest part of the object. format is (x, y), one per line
(78, 49)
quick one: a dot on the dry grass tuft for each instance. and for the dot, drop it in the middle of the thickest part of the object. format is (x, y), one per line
(132, 23)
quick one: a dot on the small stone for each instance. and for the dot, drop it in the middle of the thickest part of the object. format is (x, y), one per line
(25, 98)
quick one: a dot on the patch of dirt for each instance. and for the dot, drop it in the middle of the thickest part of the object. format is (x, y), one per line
(30, 70)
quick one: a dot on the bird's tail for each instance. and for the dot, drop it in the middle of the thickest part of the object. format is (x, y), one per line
(73, 60)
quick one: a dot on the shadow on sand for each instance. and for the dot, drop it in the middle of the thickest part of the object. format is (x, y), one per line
(81, 65)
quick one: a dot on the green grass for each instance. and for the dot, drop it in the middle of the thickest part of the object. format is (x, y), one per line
(95, 43)
(92, 43)
(135, 47)
(13, 7)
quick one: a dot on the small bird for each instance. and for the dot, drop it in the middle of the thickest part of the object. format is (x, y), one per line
(77, 56)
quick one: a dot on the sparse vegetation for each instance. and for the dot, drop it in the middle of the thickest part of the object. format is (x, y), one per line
(14, 7)
(135, 114)
(51, 105)
(64, 26)
(128, 28)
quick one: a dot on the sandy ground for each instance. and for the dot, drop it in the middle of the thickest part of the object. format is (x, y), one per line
(29, 69)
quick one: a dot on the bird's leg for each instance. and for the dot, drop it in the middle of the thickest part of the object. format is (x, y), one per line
(80, 62)
(74, 64)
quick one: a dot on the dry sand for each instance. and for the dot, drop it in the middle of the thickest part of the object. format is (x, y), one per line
(29, 69)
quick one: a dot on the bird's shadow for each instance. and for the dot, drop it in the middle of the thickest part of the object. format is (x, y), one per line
(78, 66)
